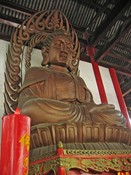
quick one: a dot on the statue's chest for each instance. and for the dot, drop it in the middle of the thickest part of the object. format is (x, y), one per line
(63, 79)
(64, 85)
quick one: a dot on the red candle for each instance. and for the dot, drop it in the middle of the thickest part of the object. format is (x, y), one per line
(15, 144)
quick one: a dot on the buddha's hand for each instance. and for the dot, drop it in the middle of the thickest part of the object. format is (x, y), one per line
(102, 108)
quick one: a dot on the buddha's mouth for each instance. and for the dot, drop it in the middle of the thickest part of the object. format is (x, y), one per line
(63, 56)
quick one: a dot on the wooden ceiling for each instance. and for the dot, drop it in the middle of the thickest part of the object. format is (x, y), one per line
(103, 24)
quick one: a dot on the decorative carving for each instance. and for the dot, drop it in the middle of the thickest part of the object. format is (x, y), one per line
(96, 152)
(31, 32)
(83, 163)
(35, 169)
(85, 160)
(41, 135)
(105, 164)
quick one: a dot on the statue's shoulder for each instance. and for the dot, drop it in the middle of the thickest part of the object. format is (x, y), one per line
(81, 80)
(34, 75)
(36, 72)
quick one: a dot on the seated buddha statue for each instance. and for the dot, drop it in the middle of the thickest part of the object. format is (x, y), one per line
(54, 93)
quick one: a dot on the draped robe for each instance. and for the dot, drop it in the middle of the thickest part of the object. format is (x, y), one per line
(53, 96)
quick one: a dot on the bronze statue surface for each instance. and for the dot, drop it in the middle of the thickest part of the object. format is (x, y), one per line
(58, 101)
(54, 93)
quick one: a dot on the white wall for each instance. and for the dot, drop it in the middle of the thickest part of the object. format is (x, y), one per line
(109, 88)
(86, 72)
(3, 50)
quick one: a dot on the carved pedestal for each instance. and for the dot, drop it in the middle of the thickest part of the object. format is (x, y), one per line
(85, 149)
(64, 161)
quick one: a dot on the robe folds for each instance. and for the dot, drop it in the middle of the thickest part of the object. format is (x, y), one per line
(52, 96)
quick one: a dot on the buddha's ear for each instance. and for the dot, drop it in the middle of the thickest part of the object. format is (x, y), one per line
(43, 51)
(45, 60)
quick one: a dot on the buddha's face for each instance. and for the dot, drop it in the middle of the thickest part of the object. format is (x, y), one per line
(61, 51)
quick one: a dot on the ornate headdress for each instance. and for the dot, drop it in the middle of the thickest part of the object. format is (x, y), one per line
(32, 31)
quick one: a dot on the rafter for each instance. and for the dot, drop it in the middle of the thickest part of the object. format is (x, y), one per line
(126, 90)
(10, 20)
(89, 3)
(126, 86)
(17, 7)
(119, 56)
(88, 33)
(128, 98)
(23, 11)
(128, 47)
(106, 48)
(119, 69)
(109, 21)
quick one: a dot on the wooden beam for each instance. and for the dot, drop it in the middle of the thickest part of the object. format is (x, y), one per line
(123, 45)
(17, 7)
(119, 69)
(128, 102)
(110, 20)
(106, 49)
(119, 56)
(128, 97)
(7, 6)
(8, 22)
(126, 92)
(126, 88)
(89, 3)
(99, 13)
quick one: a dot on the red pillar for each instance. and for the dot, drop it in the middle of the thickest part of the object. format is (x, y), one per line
(61, 170)
(91, 52)
(120, 96)
(15, 144)
(99, 82)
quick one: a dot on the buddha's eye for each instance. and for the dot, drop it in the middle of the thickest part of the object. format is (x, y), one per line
(57, 44)
(69, 46)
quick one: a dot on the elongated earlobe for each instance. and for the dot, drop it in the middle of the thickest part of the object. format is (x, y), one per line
(45, 56)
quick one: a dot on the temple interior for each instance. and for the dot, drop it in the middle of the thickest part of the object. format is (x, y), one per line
(65, 87)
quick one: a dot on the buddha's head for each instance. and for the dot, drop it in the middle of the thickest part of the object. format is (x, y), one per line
(59, 41)
(59, 51)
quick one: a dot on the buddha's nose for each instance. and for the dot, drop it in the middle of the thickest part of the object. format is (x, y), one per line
(63, 47)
